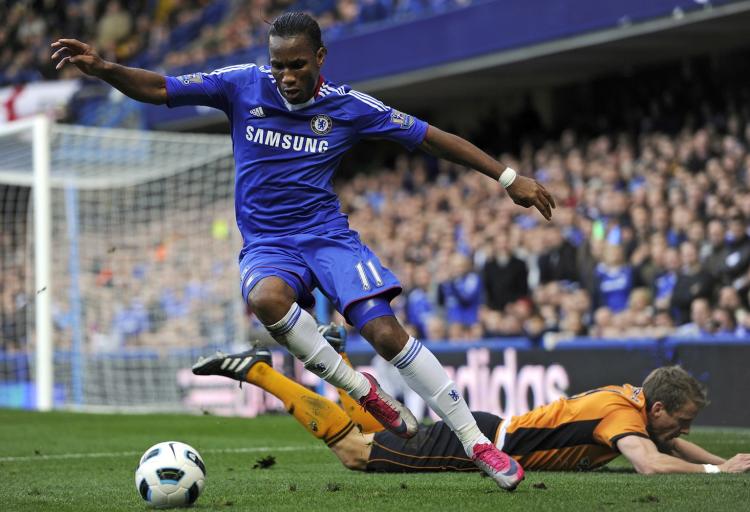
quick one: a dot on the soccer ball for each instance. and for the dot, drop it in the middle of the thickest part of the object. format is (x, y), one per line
(170, 474)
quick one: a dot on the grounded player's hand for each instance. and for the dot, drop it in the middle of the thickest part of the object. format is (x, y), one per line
(740, 463)
(82, 55)
(527, 192)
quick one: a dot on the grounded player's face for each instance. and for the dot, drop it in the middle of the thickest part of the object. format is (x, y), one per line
(664, 426)
(296, 66)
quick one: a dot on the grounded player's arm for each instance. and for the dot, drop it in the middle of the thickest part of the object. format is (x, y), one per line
(524, 191)
(691, 452)
(139, 84)
(648, 460)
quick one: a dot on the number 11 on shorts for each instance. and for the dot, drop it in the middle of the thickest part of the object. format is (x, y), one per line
(363, 276)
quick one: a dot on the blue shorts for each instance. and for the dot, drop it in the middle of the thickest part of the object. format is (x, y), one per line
(338, 263)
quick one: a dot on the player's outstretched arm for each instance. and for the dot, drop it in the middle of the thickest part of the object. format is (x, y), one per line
(647, 459)
(524, 191)
(139, 84)
(691, 452)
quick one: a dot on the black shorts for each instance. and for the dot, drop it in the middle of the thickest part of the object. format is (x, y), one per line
(434, 448)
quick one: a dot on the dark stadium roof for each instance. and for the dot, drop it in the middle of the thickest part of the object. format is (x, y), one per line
(713, 30)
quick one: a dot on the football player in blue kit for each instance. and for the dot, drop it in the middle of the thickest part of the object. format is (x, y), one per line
(290, 128)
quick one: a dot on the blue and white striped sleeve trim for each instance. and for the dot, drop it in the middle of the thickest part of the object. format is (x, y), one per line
(327, 89)
(267, 71)
(369, 100)
(231, 68)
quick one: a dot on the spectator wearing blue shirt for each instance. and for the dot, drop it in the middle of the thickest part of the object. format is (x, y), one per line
(613, 279)
(680, 219)
(419, 305)
(174, 304)
(665, 282)
(130, 322)
(462, 297)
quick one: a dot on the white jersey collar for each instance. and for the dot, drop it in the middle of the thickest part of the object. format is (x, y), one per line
(298, 106)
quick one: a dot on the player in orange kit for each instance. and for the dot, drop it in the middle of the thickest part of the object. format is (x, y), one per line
(581, 432)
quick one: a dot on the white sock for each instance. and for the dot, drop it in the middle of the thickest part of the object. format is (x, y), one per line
(424, 374)
(298, 332)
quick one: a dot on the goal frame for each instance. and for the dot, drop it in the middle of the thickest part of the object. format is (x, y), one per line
(40, 128)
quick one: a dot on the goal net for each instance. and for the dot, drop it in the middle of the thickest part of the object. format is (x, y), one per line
(139, 276)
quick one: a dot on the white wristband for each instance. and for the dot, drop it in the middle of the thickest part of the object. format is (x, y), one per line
(507, 177)
(710, 468)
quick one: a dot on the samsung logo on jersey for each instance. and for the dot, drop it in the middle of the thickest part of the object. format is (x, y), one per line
(276, 139)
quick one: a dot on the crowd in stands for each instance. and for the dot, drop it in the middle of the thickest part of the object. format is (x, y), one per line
(13, 296)
(649, 239)
(170, 34)
(148, 276)
(156, 291)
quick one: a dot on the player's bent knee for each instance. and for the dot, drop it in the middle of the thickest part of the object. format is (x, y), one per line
(270, 299)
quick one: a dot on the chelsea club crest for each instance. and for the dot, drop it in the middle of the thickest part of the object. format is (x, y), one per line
(321, 124)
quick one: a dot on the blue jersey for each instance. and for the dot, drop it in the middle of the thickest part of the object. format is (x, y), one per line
(285, 155)
(664, 285)
(419, 308)
(463, 298)
(615, 285)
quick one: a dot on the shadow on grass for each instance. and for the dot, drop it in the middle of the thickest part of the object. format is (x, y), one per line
(622, 471)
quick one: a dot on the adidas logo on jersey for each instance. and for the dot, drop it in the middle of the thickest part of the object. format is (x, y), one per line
(258, 112)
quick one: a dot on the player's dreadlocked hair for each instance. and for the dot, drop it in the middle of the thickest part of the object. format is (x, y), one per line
(295, 23)
(674, 387)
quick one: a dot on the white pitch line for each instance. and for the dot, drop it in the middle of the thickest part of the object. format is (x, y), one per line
(99, 455)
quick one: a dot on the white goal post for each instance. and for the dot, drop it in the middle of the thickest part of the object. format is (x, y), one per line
(117, 247)
(38, 127)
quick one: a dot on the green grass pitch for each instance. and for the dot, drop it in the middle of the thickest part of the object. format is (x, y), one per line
(85, 462)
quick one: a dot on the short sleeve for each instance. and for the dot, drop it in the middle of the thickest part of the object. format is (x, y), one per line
(197, 89)
(379, 121)
(620, 422)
